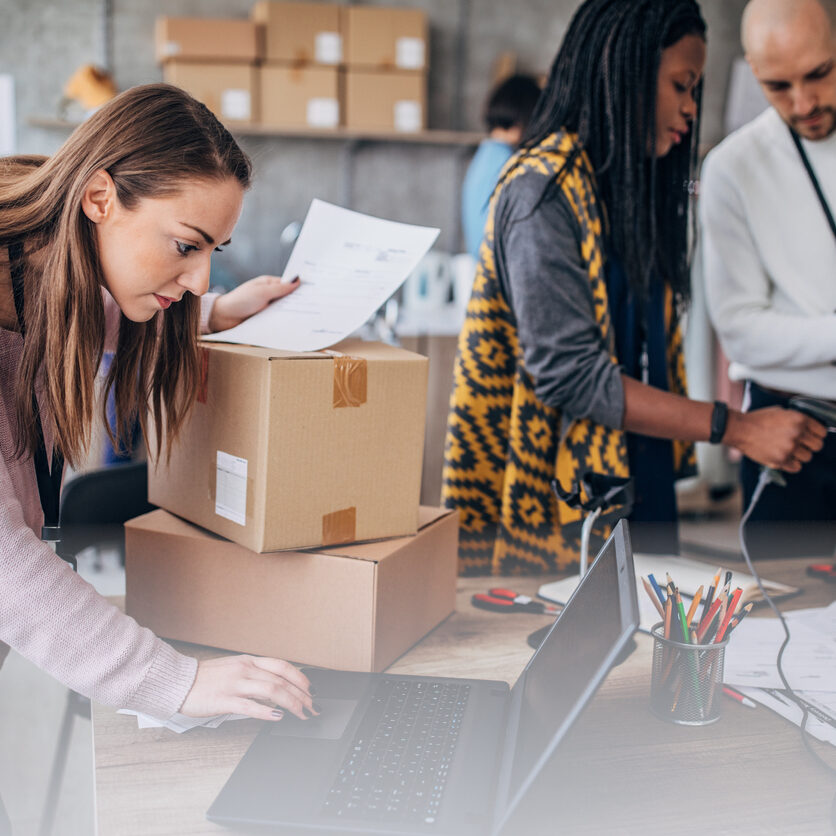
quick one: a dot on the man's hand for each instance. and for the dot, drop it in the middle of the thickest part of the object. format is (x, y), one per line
(231, 309)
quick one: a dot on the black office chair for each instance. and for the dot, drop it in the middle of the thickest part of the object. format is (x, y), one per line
(94, 506)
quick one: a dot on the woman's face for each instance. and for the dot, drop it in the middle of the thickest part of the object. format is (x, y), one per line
(153, 253)
(680, 70)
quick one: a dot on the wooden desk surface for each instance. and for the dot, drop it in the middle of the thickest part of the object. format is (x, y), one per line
(621, 770)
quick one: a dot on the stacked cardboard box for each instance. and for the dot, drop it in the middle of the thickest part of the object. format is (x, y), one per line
(302, 65)
(386, 68)
(300, 77)
(297, 451)
(215, 61)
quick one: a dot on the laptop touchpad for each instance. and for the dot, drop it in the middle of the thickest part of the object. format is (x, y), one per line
(329, 725)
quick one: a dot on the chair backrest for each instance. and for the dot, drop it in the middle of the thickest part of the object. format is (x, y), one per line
(95, 504)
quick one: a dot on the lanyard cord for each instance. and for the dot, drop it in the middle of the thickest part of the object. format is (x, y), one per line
(49, 479)
(814, 180)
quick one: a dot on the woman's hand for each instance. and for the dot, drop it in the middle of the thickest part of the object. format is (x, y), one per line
(255, 686)
(231, 309)
(783, 439)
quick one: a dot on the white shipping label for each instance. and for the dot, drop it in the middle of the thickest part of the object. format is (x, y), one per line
(231, 488)
(328, 48)
(235, 103)
(323, 113)
(409, 53)
(407, 116)
(171, 48)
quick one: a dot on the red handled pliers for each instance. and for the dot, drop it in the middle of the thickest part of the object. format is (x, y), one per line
(506, 600)
(825, 571)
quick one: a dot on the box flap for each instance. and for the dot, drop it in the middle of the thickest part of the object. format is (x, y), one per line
(377, 550)
(374, 551)
(360, 348)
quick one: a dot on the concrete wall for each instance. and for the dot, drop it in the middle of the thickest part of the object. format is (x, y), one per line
(43, 41)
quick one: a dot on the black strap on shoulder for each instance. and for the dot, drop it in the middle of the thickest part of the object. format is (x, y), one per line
(49, 479)
(814, 180)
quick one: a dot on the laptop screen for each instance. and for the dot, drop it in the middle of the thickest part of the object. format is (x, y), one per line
(573, 659)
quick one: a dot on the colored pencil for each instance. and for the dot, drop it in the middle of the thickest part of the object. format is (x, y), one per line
(707, 619)
(652, 595)
(709, 598)
(739, 617)
(683, 622)
(693, 608)
(657, 589)
(741, 698)
(668, 607)
(724, 624)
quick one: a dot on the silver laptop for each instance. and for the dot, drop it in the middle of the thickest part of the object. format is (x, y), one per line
(430, 755)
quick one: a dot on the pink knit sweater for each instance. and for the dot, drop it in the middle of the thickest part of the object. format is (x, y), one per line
(47, 612)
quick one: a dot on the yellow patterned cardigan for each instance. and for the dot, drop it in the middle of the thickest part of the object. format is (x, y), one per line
(503, 445)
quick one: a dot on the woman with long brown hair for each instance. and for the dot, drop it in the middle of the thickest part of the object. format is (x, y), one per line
(108, 244)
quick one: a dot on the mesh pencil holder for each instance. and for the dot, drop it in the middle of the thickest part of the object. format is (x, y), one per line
(687, 680)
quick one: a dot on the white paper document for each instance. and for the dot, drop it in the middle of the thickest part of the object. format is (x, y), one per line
(820, 706)
(809, 661)
(349, 265)
(180, 722)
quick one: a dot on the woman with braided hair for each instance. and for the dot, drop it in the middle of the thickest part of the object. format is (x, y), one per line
(570, 359)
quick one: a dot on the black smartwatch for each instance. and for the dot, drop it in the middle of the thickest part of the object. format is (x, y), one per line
(719, 419)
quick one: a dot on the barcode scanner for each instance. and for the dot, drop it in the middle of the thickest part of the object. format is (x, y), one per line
(823, 411)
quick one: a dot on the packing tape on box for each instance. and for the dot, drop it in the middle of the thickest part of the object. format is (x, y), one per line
(339, 526)
(350, 379)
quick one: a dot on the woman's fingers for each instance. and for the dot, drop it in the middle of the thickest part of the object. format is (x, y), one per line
(272, 680)
(233, 684)
(285, 670)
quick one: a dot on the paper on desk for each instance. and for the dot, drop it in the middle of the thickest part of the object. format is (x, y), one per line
(179, 722)
(820, 619)
(821, 707)
(809, 662)
(349, 264)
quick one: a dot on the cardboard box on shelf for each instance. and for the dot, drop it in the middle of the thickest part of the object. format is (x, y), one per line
(286, 450)
(299, 97)
(385, 101)
(228, 90)
(385, 38)
(300, 33)
(206, 39)
(355, 607)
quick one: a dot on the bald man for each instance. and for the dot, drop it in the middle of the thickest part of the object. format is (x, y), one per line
(769, 254)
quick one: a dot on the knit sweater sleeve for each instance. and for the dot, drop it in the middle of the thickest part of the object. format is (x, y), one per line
(58, 621)
(547, 287)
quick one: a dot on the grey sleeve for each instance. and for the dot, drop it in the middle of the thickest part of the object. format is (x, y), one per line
(547, 287)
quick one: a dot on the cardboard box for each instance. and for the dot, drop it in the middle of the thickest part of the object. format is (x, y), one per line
(230, 91)
(300, 33)
(206, 39)
(355, 607)
(385, 38)
(287, 451)
(385, 101)
(299, 97)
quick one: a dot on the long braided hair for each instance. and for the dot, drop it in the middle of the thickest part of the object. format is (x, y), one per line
(603, 87)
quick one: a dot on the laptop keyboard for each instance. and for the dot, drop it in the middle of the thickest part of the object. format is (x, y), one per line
(398, 763)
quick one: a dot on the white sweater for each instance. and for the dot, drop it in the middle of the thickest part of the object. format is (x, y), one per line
(769, 257)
